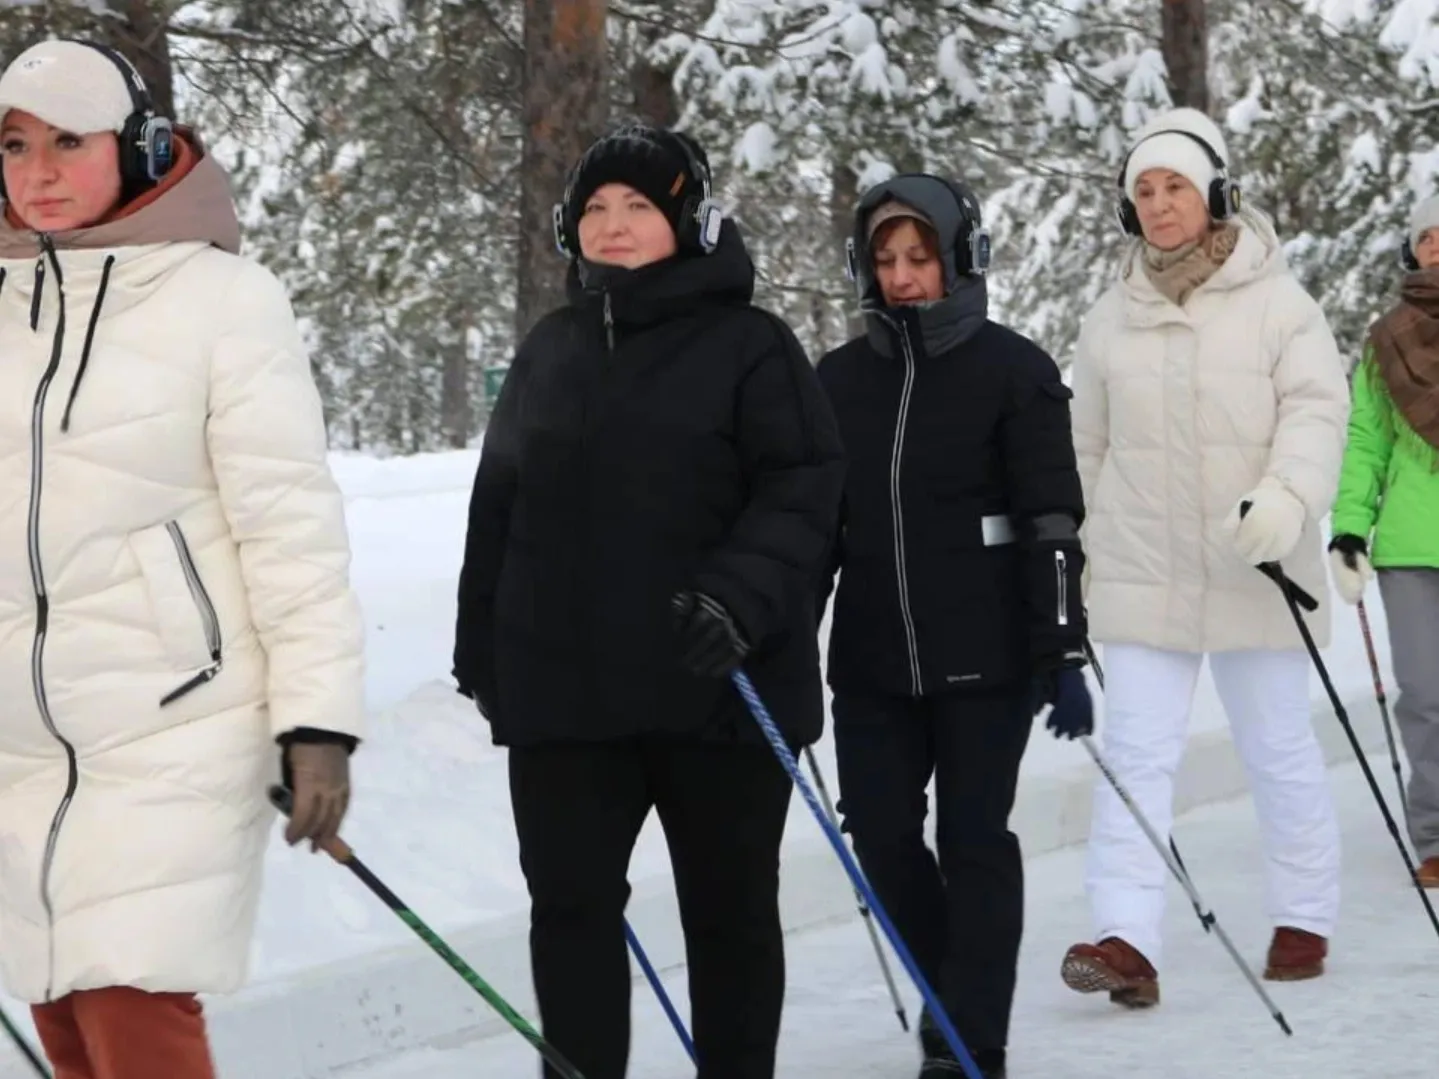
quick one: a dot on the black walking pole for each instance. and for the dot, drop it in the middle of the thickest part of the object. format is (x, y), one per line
(1383, 699)
(1296, 598)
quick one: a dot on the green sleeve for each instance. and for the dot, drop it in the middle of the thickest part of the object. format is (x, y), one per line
(1366, 455)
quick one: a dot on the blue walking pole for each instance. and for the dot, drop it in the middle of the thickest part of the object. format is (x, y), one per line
(786, 758)
(664, 998)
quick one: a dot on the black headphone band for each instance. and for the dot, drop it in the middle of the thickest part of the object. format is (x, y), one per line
(141, 103)
(967, 201)
(1214, 159)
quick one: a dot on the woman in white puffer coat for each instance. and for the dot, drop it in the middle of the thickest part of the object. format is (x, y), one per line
(1204, 379)
(173, 575)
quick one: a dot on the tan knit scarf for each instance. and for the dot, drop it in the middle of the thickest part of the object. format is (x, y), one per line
(1406, 353)
(1176, 274)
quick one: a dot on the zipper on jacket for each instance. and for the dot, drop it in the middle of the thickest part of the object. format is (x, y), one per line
(609, 324)
(42, 598)
(911, 639)
(89, 341)
(207, 616)
(39, 291)
(1061, 564)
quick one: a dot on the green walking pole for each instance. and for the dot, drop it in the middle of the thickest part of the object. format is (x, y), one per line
(23, 1045)
(340, 851)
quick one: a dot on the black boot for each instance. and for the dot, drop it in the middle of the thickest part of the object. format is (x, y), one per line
(941, 1063)
(947, 1067)
(931, 1038)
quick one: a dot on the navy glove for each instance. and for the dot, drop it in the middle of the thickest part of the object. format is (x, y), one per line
(1073, 713)
(713, 645)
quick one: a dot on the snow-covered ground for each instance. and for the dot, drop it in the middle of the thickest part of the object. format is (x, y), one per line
(1372, 1015)
(339, 983)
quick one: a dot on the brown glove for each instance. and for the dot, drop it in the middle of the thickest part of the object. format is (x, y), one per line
(319, 776)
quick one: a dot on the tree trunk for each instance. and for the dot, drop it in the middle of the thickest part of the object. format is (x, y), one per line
(1184, 43)
(843, 198)
(457, 374)
(456, 415)
(652, 92)
(142, 36)
(564, 108)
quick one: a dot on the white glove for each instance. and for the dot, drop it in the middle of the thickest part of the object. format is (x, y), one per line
(1349, 581)
(1271, 529)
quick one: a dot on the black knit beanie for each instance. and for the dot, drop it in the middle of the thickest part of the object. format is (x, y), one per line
(649, 159)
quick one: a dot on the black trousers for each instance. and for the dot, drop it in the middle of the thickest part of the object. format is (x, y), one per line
(578, 810)
(962, 916)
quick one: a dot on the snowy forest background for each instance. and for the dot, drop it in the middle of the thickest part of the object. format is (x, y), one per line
(396, 160)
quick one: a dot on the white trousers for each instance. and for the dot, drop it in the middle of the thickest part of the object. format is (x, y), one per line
(1148, 697)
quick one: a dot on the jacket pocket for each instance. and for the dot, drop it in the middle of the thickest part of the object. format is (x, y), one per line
(185, 615)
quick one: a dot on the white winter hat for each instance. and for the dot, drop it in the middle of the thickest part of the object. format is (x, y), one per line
(1160, 146)
(1422, 218)
(69, 85)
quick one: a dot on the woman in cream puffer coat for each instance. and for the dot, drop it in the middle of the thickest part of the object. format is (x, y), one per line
(1204, 379)
(173, 575)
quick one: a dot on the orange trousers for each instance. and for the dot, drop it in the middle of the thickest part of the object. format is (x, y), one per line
(125, 1033)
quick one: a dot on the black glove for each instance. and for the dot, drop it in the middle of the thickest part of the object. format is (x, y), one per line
(713, 645)
(1063, 686)
(1350, 547)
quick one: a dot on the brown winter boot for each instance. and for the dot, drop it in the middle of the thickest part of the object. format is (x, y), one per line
(1115, 966)
(1428, 873)
(1295, 955)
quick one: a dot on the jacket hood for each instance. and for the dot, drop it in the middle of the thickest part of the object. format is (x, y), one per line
(671, 286)
(945, 323)
(1257, 255)
(192, 204)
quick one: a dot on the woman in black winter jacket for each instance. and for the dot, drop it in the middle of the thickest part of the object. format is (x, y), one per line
(659, 484)
(957, 612)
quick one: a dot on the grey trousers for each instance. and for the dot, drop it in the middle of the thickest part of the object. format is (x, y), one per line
(1411, 606)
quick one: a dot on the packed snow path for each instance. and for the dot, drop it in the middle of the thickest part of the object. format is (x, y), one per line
(1371, 1015)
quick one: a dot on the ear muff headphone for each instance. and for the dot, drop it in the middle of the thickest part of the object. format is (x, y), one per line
(1223, 196)
(701, 217)
(147, 141)
(1407, 259)
(973, 249)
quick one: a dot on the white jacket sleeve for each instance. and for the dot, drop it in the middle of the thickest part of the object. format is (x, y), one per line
(1312, 394)
(266, 436)
(1090, 407)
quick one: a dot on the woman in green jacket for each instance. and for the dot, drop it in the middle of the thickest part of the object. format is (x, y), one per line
(1386, 516)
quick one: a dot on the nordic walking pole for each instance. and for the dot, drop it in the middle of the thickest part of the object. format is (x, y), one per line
(664, 998)
(282, 799)
(864, 912)
(1295, 597)
(26, 1050)
(1173, 847)
(786, 758)
(1383, 700)
(1207, 917)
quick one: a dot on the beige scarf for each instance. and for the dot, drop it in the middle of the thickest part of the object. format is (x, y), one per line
(1176, 274)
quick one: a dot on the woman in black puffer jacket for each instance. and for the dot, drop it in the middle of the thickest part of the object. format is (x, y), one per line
(658, 487)
(957, 612)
